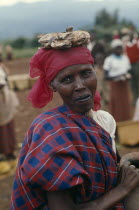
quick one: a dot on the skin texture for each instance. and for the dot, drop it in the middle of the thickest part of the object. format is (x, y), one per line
(72, 83)
(76, 85)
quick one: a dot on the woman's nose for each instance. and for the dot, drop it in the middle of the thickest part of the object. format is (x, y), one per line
(79, 84)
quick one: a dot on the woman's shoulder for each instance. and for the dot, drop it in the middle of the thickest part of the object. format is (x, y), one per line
(44, 125)
(51, 119)
(47, 116)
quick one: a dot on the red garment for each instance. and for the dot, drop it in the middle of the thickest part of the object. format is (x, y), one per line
(133, 52)
(119, 100)
(116, 37)
(7, 138)
(64, 150)
(47, 63)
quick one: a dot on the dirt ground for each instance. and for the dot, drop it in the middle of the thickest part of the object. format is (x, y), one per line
(23, 119)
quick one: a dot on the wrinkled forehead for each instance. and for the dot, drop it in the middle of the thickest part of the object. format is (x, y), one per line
(74, 68)
(77, 66)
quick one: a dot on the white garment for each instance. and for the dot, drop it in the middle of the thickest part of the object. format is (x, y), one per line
(117, 65)
(133, 42)
(116, 43)
(8, 105)
(106, 121)
(90, 46)
(136, 113)
(2, 76)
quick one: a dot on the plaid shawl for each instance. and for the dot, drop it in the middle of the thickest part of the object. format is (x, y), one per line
(61, 150)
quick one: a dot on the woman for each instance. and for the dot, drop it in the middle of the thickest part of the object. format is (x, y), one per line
(8, 108)
(67, 160)
(116, 67)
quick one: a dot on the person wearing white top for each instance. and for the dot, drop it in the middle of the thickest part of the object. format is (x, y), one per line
(117, 65)
(117, 72)
(8, 108)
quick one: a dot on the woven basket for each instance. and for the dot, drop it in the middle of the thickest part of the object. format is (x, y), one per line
(128, 132)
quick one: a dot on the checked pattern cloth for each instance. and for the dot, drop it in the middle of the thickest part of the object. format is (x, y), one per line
(64, 150)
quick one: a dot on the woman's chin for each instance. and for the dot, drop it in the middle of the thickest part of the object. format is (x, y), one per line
(83, 109)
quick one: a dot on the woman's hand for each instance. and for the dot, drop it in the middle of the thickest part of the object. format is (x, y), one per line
(129, 179)
(129, 176)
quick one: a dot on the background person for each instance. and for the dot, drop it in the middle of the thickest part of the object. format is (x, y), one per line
(132, 51)
(8, 108)
(9, 52)
(117, 67)
(99, 53)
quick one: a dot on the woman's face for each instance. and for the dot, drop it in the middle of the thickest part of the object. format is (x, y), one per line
(76, 85)
(118, 50)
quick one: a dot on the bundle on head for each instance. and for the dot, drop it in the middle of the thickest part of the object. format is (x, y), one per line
(65, 39)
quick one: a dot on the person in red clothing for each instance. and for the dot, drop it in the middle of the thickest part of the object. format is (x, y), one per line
(132, 51)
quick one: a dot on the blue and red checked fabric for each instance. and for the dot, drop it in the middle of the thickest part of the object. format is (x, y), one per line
(61, 150)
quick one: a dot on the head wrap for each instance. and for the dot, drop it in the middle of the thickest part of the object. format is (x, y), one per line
(46, 64)
(116, 43)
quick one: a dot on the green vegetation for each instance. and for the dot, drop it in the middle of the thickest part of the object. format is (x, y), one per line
(104, 26)
(106, 23)
(21, 47)
(21, 53)
(24, 53)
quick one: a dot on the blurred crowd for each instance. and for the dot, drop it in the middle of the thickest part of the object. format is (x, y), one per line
(117, 67)
(7, 50)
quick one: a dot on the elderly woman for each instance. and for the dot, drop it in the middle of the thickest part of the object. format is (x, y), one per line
(68, 161)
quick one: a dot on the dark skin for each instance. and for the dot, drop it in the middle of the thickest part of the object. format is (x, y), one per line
(118, 50)
(76, 85)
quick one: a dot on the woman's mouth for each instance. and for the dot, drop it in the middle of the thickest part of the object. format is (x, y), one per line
(83, 98)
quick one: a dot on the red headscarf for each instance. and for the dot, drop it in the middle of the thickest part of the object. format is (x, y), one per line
(46, 63)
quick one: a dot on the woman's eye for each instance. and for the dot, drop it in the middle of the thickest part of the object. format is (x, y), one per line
(87, 73)
(67, 79)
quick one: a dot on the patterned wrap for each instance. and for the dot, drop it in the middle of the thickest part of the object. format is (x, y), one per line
(62, 150)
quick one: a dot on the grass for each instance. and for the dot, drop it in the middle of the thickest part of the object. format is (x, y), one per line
(24, 53)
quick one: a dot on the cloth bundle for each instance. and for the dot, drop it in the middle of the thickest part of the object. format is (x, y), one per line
(64, 40)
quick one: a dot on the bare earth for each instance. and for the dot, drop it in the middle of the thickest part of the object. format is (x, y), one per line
(23, 119)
